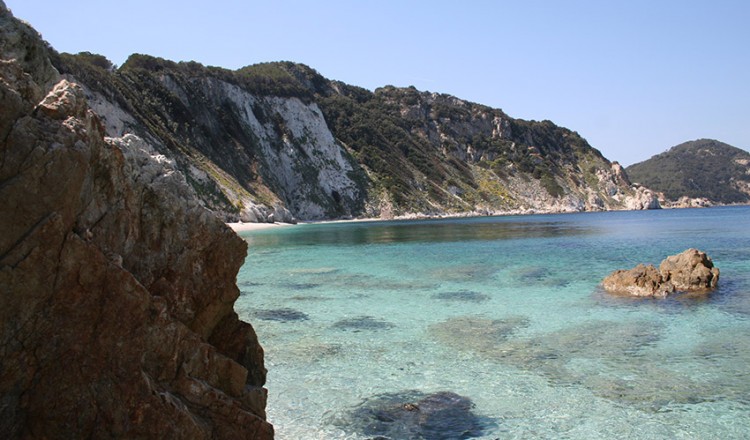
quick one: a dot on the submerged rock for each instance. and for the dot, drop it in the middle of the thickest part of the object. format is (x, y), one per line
(283, 315)
(362, 323)
(416, 415)
(690, 271)
(471, 333)
(462, 295)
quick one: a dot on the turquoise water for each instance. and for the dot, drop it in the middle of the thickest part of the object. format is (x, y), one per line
(506, 312)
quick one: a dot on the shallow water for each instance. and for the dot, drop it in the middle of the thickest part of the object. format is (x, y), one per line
(505, 313)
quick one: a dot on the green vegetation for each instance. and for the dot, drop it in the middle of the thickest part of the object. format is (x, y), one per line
(701, 168)
(424, 152)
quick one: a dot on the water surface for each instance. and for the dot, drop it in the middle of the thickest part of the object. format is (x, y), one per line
(498, 327)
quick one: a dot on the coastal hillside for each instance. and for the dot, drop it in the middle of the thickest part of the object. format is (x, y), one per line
(116, 286)
(700, 169)
(279, 142)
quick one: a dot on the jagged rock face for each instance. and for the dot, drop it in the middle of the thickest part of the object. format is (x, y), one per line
(278, 141)
(642, 281)
(116, 286)
(689, 271)
(435, 153)
(251, 157)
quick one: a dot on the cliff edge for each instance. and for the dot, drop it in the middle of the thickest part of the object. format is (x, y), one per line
(116, 286)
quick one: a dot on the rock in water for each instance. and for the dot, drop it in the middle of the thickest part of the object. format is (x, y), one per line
(415, 415)
(642, 280)
(689, 271)
(116, 286)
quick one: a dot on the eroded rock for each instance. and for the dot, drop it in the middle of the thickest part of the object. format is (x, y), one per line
(642, 280)
(116, 286)
(689, 271)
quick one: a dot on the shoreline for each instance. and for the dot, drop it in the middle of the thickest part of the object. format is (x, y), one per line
(244, 227)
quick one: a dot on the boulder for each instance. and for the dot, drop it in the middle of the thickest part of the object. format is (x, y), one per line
(689, 271)
(642, 280)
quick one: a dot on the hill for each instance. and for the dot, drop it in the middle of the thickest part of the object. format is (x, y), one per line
(704, 168)
(278, 141)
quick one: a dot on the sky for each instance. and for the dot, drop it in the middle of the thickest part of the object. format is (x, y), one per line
(632, 77)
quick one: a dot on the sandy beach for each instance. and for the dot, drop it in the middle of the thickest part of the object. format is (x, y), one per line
(241, 227)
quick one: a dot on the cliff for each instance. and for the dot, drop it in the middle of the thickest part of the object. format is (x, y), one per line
(278, 141)
(699, 172)
(116, 285)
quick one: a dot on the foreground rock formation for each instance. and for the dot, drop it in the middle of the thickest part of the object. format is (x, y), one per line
(689, 271)
(116, 286)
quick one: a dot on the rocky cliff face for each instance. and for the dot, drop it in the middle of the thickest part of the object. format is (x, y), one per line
(116, 285)
(278, 141)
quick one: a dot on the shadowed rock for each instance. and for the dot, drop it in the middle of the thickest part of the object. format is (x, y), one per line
(690, 271)
(283, 315)
(362, 323)
(416, 415)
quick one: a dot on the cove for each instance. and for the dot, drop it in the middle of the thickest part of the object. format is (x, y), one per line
(499, 327)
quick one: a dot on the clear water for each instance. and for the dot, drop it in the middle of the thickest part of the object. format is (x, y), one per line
(507, 312)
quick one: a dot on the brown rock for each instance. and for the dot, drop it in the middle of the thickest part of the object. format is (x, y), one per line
(116, 286)
(692, 270)
(642, 280)
(689, 271)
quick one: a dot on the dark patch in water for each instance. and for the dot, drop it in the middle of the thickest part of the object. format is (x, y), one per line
(583, 355)
(415, 415)
(462, 273)
(282, 315)
(462, 295)
(534, 274)
(249, 284)
(540, 276)
(308, 298)
(471, 333)
(300, 286)
(362, 323)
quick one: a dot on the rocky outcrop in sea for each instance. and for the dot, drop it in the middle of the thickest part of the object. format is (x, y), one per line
(689, 271)
(116, 286)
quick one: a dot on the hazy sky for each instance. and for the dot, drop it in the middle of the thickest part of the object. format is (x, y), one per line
(632, 77)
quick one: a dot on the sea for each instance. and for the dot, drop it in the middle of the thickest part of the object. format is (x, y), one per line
(497, 328)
